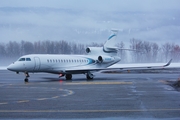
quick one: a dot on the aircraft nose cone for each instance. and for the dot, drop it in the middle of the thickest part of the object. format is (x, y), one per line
(11, 67)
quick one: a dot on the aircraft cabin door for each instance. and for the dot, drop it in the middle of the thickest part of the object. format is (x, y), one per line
(37, 63)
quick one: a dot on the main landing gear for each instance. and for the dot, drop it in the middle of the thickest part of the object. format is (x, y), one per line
(26, 76)
(68, 76)
(89, 76)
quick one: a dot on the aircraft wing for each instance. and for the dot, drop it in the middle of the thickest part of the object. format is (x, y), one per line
(141, 66)
(123, 68)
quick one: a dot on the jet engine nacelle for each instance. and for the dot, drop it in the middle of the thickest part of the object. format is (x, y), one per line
(105, 59)
(94, 50)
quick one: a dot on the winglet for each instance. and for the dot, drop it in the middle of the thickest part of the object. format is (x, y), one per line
(167, 63)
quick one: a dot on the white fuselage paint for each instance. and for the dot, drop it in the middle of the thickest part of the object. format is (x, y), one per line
(54, 63)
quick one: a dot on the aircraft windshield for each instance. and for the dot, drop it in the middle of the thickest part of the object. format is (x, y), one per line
(22, 59)
(25, 59)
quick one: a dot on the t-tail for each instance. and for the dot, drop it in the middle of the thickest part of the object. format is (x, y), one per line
(110, 45)
(109, 48)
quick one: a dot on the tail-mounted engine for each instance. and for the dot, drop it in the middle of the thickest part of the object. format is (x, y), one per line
(105, 59)
(94, 50)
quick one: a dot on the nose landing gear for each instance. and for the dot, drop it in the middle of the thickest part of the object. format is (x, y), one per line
(26, 76)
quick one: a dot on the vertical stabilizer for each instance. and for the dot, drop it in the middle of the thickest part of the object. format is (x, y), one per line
(109, 46)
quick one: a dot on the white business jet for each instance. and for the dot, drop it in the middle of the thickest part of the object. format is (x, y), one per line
(97, 58)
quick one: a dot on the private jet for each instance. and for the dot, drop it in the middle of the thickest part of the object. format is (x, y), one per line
(97, 59)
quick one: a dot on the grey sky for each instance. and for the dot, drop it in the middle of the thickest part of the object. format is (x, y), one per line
(85, 20)
(101, 5)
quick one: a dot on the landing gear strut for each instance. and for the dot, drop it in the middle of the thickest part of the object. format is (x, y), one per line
(26, 77)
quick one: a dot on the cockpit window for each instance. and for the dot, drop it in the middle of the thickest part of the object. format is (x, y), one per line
(28, 59)
(25, 59)
(22, 59)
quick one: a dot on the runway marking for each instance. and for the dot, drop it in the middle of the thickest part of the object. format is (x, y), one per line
(70, 92)
(87, 111)
(23, 101)
(65, 93)
(163, 81)
(3, 103)
(97, 83)
(42, 98)
(55, 97)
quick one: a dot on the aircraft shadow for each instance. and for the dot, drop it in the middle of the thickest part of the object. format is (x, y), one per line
(53, 79)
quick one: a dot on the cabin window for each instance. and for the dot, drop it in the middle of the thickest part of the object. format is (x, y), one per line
(50, 60)
(22, 59)
(47, 60)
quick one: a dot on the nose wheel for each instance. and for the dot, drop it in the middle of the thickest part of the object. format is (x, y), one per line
(26, 77)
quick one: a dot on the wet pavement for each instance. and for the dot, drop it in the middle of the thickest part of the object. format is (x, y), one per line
(108, 96)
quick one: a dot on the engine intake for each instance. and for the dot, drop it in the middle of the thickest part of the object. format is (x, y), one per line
(105, 59)
(100, 59)
(94, 50)
(88, 50)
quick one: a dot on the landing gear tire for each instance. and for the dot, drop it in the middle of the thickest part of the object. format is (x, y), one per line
(68, 76)
(89, 76)
(26, 80)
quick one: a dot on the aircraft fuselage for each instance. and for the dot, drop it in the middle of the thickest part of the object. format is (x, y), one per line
(60, 63)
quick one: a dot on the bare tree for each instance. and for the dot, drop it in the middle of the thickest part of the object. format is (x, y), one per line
(2, 50)
(138, 46)
(147, 51)
(28, 48)
(175, 54)
(121, 52)
(13, 49)
(166, 50)
(155, 51)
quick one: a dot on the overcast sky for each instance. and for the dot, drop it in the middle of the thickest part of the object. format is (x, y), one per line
(101, 5)
(90, 21)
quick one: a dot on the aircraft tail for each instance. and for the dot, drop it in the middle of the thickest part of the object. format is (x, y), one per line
(109, 46)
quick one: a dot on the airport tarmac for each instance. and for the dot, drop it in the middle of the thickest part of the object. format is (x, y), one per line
(108, 96)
